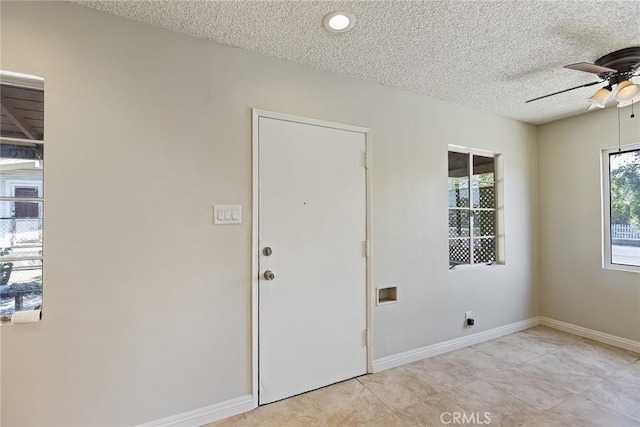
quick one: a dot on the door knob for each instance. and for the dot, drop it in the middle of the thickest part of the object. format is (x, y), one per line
(268, 275)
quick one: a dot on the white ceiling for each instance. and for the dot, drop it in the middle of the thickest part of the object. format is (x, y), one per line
(489, 55)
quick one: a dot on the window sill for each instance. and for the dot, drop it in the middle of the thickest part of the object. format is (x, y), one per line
(622, 267)
(27, 316)
(464, 267)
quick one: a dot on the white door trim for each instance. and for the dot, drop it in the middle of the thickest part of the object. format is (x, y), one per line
(255, 250)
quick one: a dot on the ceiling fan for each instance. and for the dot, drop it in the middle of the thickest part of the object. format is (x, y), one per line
(616, 69)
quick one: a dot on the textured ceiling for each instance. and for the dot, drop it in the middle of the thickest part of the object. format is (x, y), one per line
(488, 55)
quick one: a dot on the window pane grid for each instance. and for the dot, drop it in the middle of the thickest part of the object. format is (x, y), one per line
(472, 211)
(21, 206)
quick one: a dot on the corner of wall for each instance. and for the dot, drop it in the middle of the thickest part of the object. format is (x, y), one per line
(537, 273)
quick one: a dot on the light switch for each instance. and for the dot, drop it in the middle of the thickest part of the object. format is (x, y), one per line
(227, 214)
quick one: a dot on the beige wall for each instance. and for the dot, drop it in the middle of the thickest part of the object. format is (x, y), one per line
(147, 303)
(575, 287)
(0, 376)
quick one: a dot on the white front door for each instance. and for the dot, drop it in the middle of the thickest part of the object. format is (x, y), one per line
(312, 208)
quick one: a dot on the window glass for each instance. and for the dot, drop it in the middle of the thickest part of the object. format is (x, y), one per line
(23, 111)
(458, 179)
(21, 193)
(20, 237)
(624, 205)
(20, 177)
(484, 250)
(472, 209)
(22, 286)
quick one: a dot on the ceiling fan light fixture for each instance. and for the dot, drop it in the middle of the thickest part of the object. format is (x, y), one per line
(339, 22)
(617, 70)
(626, 91)
(628, 102)
(599, 99)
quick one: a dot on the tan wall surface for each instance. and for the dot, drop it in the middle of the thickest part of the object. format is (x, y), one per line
(574, 286)
(146, 302)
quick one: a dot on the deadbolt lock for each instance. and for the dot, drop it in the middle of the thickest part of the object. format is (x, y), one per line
(268, 275)
(267, 251)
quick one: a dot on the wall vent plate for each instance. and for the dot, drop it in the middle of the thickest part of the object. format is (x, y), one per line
(386, 295)
(227, 214)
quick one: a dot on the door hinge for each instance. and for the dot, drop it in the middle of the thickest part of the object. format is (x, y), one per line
(366, 160)
(367, 339)
(365, 248)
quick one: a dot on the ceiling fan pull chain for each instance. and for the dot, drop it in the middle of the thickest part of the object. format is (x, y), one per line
(619, 149)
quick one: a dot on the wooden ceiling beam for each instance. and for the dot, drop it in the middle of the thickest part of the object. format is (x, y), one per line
(14, 115)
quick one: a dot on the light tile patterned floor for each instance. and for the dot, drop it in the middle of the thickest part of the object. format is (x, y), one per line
(538, 377)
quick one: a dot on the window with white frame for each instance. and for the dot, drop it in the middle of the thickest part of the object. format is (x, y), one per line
(621, 208)
(21, 193)
(473, 221)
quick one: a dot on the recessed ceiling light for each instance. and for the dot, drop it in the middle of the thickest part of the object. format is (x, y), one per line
(339, 22)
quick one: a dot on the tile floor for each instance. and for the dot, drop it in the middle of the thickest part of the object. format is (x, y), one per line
(538, 377)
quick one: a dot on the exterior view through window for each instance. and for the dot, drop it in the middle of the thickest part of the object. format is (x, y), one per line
(21, 193)
(622, 208)
(472, 209)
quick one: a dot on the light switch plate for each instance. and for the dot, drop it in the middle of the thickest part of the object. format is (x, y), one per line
(227, 214)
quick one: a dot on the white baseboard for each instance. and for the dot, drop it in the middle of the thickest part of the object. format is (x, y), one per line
(246, 403)
(613, 340)
(206, 415)
(400, 359)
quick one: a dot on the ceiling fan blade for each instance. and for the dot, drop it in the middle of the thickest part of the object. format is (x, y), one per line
(587, 67)
(566, 90)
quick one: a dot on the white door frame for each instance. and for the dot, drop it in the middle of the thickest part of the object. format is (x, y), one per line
(255, 250)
